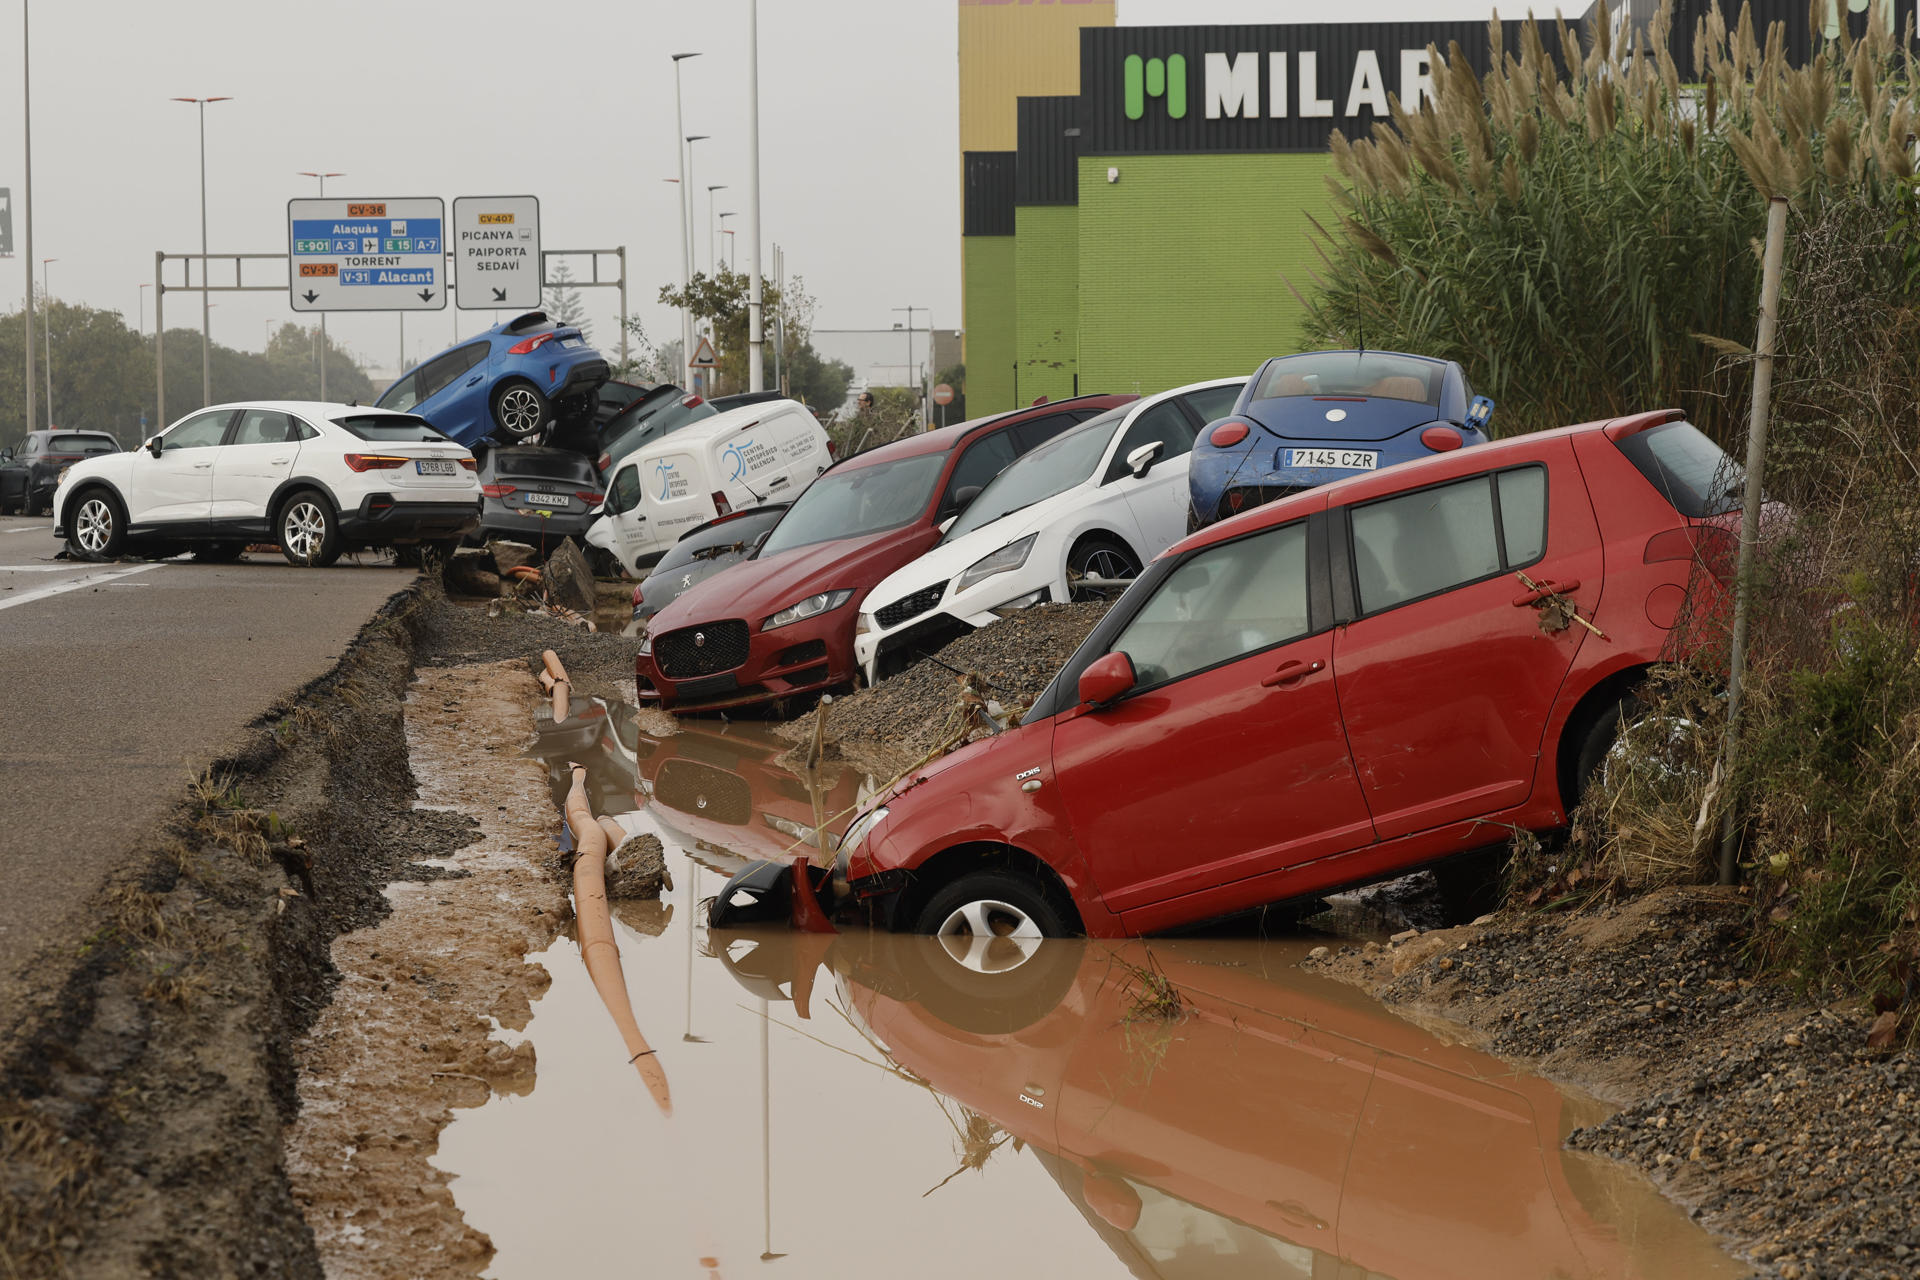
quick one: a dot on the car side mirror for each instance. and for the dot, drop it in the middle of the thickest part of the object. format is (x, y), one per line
(153, 446)
(963, 497)
(1144, 457)
(1106, 679)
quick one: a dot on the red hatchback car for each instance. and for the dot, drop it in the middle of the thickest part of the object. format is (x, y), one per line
(1336, 688)
(781, 624)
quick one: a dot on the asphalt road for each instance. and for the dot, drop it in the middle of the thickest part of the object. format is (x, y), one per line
(120, 681)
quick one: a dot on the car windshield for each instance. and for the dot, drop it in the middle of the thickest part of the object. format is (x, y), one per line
(1055, 467)
(1380, 374)
(699, 545)
(1688, 469)
(544, 464)
(853, 501)
(393, 428)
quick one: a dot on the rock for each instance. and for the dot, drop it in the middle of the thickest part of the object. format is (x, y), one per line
(1318, 953)
(512, 555)
(1405, 936)
(1791, 1040)
(568, 579)
(638, 868)
(467, 574)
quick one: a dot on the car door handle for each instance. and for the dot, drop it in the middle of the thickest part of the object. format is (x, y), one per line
(1544, 590)
(474, 381)
(203, 466)
(1291, 672)
(278, 462)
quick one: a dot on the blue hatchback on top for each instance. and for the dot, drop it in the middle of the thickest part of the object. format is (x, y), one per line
(1307, 419)
(511, 383)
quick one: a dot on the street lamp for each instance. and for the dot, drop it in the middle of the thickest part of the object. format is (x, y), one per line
(206, 293)
(693, 211)
(729, 252)
(718, 186)
(721, 218)
(312, 173)
(46, 318)
(686, 250)
(756, 320)
(26, 190)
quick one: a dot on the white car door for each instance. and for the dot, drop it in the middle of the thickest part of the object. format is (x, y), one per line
(250, 467)
(177, 486)
(1158, 499)
(626, 517)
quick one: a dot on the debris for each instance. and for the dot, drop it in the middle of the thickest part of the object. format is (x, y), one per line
(637, 867)
(1884, 1029)
(568, 579)
(467, 573)
(508, 556)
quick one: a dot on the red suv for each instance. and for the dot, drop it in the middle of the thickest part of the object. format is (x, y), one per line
(781, 624)
(1336, 688)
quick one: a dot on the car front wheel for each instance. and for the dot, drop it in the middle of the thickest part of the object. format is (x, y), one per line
(1098, 558)
(520, 411)
(97, 529)
(309, 534)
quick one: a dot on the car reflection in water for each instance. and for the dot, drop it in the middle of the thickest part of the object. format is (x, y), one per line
(1280, 1126)
(601, 735)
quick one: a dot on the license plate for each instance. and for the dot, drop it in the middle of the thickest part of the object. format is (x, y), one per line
(572, 342)
(546, 500)
(434, 467)
(1346, 459)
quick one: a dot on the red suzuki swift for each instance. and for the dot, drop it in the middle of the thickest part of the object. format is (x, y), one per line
(1336, 688)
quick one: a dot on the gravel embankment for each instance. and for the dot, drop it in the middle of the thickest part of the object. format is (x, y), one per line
(891, 726)
(1768, 1117)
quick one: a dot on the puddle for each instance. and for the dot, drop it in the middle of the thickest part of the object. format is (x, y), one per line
(869, 1105)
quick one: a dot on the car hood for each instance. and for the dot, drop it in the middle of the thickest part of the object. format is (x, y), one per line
(754, 589)
(1305, 417)
(948, 560)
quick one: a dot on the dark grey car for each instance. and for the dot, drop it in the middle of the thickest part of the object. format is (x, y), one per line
(30, 473)
(536, 494)
(702, 552)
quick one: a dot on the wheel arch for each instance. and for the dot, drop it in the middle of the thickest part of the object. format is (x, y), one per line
(1592, 705)
(85, 486)
(292, 485)
(1105, 533)
(943, 868)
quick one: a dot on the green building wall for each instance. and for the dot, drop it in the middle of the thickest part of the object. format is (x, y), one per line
(1046, 261)
(1185, 262)
(987, 283)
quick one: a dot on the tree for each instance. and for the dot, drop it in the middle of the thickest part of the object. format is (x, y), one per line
(722, 299)
(814, 380)
(563, 301)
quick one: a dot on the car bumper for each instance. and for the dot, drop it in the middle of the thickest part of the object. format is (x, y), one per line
(951, 619)
(579, 378)
(802, 658)
(531, 526)
(380, 518)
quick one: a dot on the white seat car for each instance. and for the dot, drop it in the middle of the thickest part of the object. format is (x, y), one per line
(315, 478)
(1096, 502)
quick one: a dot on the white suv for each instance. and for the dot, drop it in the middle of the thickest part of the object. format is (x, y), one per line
(315, 478)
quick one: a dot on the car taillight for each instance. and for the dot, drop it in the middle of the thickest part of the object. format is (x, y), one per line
(637, 600)
(832, 450)
(692, 402)
(589, 497)
(527, 346)
(1441, 439)
(469, 464)
(497, 490)
(720, 504)
(1227, 433)
(603, 461)
(1715, 549)
(375, 461)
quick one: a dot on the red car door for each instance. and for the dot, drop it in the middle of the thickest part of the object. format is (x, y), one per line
(1447, 676)
(1227, 760)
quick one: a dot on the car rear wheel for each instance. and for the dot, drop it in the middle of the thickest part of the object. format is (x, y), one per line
(1097, 558)
(520, 411)
(97, 529)
(309, 534)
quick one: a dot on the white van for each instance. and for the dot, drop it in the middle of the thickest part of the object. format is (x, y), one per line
(766, 452)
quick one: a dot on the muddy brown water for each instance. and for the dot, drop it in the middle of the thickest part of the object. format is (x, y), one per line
(869, 1105)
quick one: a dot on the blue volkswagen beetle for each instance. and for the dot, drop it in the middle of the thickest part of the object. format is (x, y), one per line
(1306, 419)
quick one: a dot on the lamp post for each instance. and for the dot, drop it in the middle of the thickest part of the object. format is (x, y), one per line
(728, 256)
(26, 190)
(686, 253)
(46, 318)
(712, 239)
(721, 218)
(693, 211)
(206, 294)
(756, 326)
(311, 173)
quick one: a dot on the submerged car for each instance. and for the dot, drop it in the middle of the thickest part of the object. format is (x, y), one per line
(510, 384)
(538, 495)
(781, 624)
(1277, 707)
(1304, 420)
(701, 553)
(30, 472)
(1090, 506)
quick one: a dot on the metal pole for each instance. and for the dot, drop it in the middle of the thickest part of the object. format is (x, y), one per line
(403, 344)
(779, 319)
(46, 319)
(686, 252)
(159, 340)
(206, 294)
(26, 190)
(1750, 513)
(623, 305)
(756, 304)
(713, 219)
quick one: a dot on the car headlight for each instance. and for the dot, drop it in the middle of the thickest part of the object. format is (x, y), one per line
(811, 607)
(1005, 560)
(841, 878)
(863, 625)
(799, 832)
(646, 646)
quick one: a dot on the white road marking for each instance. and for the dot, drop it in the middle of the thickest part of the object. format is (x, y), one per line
(37, 568)
(28, 529)
(58, 588)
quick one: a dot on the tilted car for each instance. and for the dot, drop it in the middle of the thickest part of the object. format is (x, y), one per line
(1336, 688)
(1304, 420)
(781, 624)
(316, 478)
(509, 384)
(1094, 503)
(30, 473)
(701, 553)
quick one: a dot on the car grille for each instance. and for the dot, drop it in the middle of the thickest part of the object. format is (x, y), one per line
(911, 607)
(701, 789)
(702, 650)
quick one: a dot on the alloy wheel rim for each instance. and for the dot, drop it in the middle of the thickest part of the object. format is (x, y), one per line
(94, 525)
(303, 530)
(1103, 563)
(520, 411)
(989, 936)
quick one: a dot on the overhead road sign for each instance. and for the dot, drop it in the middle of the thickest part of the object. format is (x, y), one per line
(367, 255)
(496, 252)
(703, 357)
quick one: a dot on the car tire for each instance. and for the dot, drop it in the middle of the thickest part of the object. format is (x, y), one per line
(1008, 902)
(1599, 740)
(309, 532)
(218, 552)
(96, 525)
(1099, 558)
(1013, 981)
(520, 412)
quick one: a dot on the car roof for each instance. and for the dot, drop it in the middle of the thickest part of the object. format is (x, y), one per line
(307, 408)
(942, 439)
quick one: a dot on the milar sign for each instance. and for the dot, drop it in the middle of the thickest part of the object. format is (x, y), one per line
(1232, 84)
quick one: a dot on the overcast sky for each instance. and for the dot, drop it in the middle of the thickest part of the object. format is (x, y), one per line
(572, 103)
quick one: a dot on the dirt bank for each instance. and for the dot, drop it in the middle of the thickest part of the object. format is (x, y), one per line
(1767, 1117)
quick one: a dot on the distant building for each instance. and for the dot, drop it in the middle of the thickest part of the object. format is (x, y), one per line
(878, 357)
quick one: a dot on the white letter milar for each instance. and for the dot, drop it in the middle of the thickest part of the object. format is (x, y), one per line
(1369, 87)
(1416, 78)
(1233, 89)
(1311, 104)
(1277, 85)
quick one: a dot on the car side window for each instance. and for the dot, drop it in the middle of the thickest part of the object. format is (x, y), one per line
(472, 354)
(436, 373)
(983, 460)
(303, 430)
(1163, 422)
(264, 426)
(1421, 543)
(1224, 603)
(1031, 435)
(1209, 403)
(201, 431)
(402, 395)
(624, 495)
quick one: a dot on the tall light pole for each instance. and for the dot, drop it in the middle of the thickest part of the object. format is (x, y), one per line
(727, 255)
(756, 332)
(26, 193)
(693, 211)
(912, 380)
(686, 254)
(206, 293)
(143, 310)
(311, 173)
(46, 318)
(712, 238)
(721, 218)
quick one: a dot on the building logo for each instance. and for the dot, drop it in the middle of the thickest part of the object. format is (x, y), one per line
(1156, 78)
